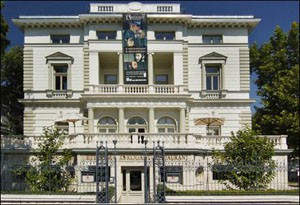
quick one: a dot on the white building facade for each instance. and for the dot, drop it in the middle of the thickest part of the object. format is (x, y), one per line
(183, 80)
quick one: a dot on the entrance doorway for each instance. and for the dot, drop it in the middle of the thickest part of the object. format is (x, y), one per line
(133, 185)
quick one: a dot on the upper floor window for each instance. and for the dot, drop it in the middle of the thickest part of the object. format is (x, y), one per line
(164, 35)
(105, 35)
(166, 125)
(212, 78)
(214, 130)
(60, 77)
(161, 79)
(62, 126)
(110, 79)
(212, 39)
(107, 125)
(60, 39)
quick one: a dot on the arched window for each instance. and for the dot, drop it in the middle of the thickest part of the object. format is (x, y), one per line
(136, 125)
(107, 125)
(166, 125)
(63, 126)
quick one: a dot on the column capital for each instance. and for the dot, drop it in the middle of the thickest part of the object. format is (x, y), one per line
(150, 53)
(119, 53)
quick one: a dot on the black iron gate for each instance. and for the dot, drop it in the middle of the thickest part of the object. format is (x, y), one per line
(159, 177)
(102, 176)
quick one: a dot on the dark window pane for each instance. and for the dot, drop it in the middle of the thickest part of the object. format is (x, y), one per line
(57, 83)
(165, 35)
(136, 181)
(61, 69)
(110, 79)
(212, 39)
(161, 79)
(64, 83)
(212, 70)
(216, 82)
(208, 83)
(124, 179)
(106, 35)
(60, 38)
(206, 39)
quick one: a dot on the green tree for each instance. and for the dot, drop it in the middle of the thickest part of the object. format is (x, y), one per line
(4, 30)
(51, 172)
(248, 161)
(276, 64)
(12, 90)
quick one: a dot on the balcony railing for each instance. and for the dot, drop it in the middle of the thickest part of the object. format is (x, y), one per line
(136, 89)
(125, 141)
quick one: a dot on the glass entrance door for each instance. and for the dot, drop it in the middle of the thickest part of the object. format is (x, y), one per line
(133, 185)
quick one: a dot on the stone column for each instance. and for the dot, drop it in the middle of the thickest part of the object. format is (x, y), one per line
(150, 68)
(182, 120)
(91, 120)
(121, 120)
(50, 77)
(222, 85)
(69, 77)
(203, 76)
(151, 120)
(121, 75)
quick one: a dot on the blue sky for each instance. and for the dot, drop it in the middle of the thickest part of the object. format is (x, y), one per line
(272, 13)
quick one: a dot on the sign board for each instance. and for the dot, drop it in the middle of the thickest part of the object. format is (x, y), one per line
(135, 62)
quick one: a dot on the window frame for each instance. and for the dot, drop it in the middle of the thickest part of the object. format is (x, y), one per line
(166, 82)
(210, 39)
(212, 128)
(107, 35)
(166, 127)
(164, 35)
(61, 76)
(65, 128)
(60, 38)
(106, 81)
(107, 127)
(212, 76)
(172, 171)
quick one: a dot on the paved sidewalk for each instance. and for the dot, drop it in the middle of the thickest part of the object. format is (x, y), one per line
(235, 199)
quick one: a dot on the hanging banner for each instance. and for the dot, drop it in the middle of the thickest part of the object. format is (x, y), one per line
(135, 63)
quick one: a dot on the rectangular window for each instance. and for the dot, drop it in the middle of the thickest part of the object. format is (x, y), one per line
(173, 174)
(60, 77)
(213, 130)
(105, 35)
(89, 175)
(110, 79)
(159, 35)
(60, 39)
(212, 39)
(212, 78)
(161, 79)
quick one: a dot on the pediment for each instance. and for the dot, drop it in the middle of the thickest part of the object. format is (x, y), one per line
(212, 56)
(59, 56)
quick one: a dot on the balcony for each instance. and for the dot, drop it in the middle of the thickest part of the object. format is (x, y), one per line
(132, 141)
(136, 89)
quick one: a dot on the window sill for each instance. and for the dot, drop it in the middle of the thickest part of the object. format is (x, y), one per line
(61, 94)
(213, 94)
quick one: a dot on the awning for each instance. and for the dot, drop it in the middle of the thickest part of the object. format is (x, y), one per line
(209, 121)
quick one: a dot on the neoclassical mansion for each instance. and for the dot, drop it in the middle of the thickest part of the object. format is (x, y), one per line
(135, 73)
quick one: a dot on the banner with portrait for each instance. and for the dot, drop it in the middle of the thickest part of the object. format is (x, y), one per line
(135, 62)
